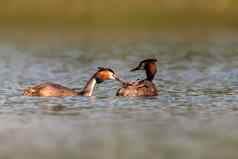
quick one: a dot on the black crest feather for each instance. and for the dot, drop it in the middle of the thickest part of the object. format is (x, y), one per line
(105, 69)
(152, 60)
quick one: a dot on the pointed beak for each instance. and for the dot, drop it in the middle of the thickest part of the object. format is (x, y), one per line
(118, 79)
(135, 69)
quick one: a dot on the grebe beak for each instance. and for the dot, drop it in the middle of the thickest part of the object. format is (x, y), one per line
(118, 79)
(135, 69)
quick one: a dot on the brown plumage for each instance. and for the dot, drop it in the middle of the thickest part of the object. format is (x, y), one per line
(52, 89)
(49, 89)
(144, 87)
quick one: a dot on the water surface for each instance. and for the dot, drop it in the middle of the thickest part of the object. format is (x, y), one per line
(194, 117)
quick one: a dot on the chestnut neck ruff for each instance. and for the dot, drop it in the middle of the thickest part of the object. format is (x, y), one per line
(150, 70)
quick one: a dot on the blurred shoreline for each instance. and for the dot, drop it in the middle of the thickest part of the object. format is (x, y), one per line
(90, 19)
(152, 15)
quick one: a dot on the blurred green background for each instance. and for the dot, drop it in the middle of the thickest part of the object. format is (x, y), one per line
(119, 13)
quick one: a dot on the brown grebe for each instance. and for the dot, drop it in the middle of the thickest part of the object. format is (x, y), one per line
(56, 90)
(144, 87)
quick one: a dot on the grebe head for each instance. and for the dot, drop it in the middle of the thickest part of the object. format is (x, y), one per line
(149, 65)
(105, 74)
(101, 75)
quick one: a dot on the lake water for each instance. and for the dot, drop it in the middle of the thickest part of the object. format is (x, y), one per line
(194, 117)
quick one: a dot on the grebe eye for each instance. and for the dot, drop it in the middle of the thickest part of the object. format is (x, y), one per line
(98, 80)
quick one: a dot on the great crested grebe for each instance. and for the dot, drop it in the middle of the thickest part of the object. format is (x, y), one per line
(56, 90)
(144, 87)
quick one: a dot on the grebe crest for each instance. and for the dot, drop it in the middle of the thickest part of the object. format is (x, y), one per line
(104, 73)
(150, 67)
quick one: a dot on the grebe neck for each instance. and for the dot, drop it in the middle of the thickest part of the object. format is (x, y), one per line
(89, 87)
(150, 75)
(151, 71)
